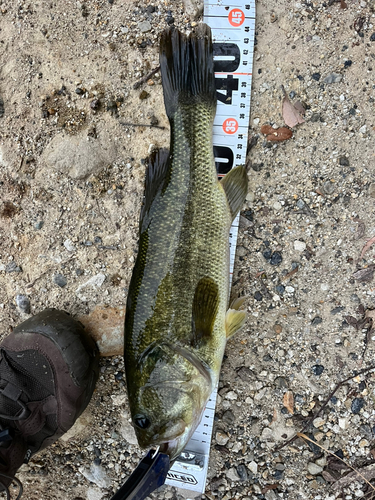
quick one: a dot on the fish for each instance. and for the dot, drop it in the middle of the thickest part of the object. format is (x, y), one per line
(177, 320)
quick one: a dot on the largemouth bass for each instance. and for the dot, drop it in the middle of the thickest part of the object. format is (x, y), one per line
(177, 323)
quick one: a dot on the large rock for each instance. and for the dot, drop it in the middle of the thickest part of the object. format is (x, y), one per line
(106, 326)
(80, 155)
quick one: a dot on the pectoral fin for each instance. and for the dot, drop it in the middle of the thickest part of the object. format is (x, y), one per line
(205, 307)
(235, 187)
(235, 319)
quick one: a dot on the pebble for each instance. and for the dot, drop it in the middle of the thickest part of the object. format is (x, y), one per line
(23, 303)
(328, 187)
(38, 225)
(60, 280)
(343, 160)
(316, 76)
(280, 289)
(371, 190)
(318, 422)
(363, 129)
(372, 37)
(231, 395)
(96, 282)
(144, 26)
(1, 107)
(242, 472)
(277, 328)
(258, 296)
(314, 469)
(69, 245)
(253, 467)
(277, 205)
(322, 462)
(276, 259)
(300, 246)
(333, 78)
(289, 289)
(317, 369)
(316, 321)
(232, 474)
(357, 405)
(13, 268)
(221, 438)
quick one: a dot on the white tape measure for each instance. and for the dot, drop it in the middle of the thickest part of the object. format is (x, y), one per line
(232, 24)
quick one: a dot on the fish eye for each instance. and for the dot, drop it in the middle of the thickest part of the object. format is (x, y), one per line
(142, 421)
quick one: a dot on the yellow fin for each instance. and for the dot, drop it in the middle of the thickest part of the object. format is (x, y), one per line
(235, 187)
(235, 319)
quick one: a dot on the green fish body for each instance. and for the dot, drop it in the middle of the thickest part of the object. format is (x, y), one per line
(177, 323)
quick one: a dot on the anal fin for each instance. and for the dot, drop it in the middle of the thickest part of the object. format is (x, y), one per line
(235, 319)
(235, 187)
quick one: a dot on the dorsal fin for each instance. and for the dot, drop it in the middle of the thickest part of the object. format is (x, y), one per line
(235, 187)
(205, 307)
(156, 174)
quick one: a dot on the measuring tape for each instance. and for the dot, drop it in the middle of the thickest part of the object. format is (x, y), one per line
(232, 24)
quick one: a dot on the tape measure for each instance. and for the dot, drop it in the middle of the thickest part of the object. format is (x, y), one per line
(232, 24)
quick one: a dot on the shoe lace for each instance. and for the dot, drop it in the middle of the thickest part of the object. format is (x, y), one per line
(6, 489)
(9, 394)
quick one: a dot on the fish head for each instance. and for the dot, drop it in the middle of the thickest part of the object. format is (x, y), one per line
(168, 406)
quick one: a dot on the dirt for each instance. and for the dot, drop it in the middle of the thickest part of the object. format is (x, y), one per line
(71, 184)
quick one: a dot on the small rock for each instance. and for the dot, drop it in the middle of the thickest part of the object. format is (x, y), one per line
(242, 472)
(328, 187)
(23, 303)
(343, 423)
(13, 268)
(95, 282)
(317, 369)
(258, 296)
(322, 462)
(277, 205)
(38, 225)
(315, 117)
(97, 475)
(232, 474)
(144, 26)
(371, 190)
(333, 78)
(69, 245)
(343, 160)
(280, 289)
(316, 76)
(281, 382)
(276, 259)
(60, 280)
(318, 422)
(289, 289)
(300, 246)
(277, 328)
(372, 37)
(221, 438)
(253, 467)
(363, 129)
(316, 321)
(231, 395)
(357, 405)
(314, 469)
(1, 107)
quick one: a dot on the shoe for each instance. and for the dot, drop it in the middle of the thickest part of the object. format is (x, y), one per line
(48, 370)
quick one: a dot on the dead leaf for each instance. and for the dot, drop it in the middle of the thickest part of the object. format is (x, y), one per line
(361, 228)
(343, 4)
(276, 134)
(367, 473)
(291, 114)
(300, 107)
(368, 244)
(269, 487)
(351, 321)
(365, 275)
(328, 477)
(288, 402)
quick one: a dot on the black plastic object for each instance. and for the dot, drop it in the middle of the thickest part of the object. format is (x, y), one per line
(149, 475)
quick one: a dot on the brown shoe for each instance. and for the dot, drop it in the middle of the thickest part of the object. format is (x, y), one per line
(48, 370)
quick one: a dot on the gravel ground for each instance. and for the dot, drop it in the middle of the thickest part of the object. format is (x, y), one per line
(71, 180)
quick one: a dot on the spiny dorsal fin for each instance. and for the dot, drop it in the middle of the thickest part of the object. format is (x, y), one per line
(156, 174)
(235, 319)
(205, 307)
(235, 187)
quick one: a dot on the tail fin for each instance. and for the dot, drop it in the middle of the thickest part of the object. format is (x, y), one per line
(187, 68)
